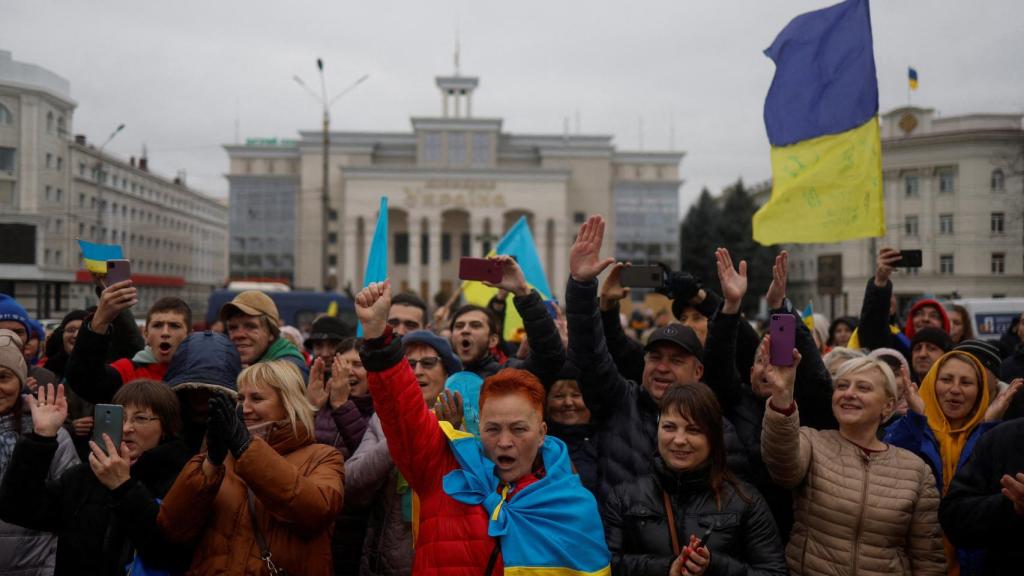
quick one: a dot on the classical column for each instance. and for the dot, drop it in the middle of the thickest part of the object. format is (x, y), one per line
(560, 274)
(348, 258)
(415, 231)
(540, 240)
(434, 268)
(476, 234)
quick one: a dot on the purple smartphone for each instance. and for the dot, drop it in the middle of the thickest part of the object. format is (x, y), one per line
(783, 334)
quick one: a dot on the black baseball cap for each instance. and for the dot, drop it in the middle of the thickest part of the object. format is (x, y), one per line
(680, 335)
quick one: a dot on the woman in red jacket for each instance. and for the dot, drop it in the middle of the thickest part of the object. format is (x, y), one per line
(506, 501)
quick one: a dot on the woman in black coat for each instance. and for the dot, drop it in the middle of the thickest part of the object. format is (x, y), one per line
(568, 419)
(689, 474)
(103, 512)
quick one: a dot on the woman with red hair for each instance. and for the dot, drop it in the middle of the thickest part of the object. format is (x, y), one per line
(508, 500)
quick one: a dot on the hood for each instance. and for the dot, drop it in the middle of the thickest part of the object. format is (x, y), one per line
(281, 348)
(205, 360)
(909, 328)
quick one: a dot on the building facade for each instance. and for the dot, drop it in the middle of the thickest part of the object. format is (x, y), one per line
(455, 184)
(55, 190)
(953, 189)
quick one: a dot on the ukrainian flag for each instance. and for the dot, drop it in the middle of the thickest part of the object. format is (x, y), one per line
(808, 316)
(377, 261)
(912, 78)
(517, 242)
(821, 118)
(95, 256)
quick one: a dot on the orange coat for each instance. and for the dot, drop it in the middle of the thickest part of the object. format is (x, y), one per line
(298, 487)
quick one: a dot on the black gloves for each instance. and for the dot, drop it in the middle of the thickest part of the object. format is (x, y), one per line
(225, 431)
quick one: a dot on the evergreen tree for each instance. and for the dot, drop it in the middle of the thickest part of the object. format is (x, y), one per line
(698, 238)
(736, 232)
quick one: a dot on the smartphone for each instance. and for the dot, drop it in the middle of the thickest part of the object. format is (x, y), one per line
(910, 259)
(480, 269)
(642, 276)
(107, 419)
(118, 271)
(783, 339)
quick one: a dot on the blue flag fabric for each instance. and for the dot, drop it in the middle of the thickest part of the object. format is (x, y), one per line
(377, 261)
(825, 81)
(468, 384)
(518, 242)
(551, 526)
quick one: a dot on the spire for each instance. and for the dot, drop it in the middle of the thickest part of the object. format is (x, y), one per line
(458, 50)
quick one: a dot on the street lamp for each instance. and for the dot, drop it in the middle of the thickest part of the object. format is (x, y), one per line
(325, 207)
(99, 176)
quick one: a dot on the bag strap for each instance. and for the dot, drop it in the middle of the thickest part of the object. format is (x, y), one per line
(493, 559)
(671, 517)
(265, 554)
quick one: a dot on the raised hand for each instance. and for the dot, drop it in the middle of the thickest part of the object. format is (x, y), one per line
(316, 390)
(512, 279)
(339, 387)
(887, 260)
(372, 306)
(216, 434)
(612, 290)
(585, 263)
(734, 283)
(236, 434)
(913, 397)
(113, 300)
(781, 378)
(780, 274)
(998, 407)
(449, 408)
(49, 410)
(1013, 489)
(112, 470)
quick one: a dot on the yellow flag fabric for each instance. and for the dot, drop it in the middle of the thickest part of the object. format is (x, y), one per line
(826, 189)
(480, 294)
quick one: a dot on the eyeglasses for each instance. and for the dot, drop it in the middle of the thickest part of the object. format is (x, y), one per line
(427, 362)
(141, 420)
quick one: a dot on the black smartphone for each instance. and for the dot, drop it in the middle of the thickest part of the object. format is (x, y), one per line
(107, 419)
(642, 276)
(910, 259)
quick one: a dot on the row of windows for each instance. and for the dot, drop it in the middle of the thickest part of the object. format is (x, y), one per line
(119, 181)
(911, 224)
(457, 148)
(998, 263)
(7, 118)
(947, 182)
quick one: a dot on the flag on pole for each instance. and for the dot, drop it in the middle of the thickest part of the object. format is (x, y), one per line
(377, 261)
(808, 316)
(821, 118)
(95, 255)
(912, 78)
(517, 242)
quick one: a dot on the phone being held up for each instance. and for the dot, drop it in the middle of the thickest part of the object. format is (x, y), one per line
(783, 339)
(482, 269)
(107, 419)
(118, 271)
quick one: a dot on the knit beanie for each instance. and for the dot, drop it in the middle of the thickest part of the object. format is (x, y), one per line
(986, 353)
(11, 356)
(451, 362)
(10, 310)
(934, 336)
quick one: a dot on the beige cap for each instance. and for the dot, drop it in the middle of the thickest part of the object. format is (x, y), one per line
(252, 303)
(11, 356)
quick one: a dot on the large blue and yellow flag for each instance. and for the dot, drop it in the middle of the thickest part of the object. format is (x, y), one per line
(821, 117)
(377, 261)
(95, 256)
(912, 78)
(551, 526)
(517, 242)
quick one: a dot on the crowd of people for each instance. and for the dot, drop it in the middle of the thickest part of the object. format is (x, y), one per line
(678, 444)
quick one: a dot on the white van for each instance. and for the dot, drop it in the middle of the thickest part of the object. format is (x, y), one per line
(991, 317)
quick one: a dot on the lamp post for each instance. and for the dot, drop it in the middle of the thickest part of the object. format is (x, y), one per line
(325, 276)
(100, 208)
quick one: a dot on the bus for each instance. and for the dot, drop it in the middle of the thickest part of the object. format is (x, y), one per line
(297, 308)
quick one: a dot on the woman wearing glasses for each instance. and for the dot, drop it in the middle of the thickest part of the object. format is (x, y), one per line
(104, 511)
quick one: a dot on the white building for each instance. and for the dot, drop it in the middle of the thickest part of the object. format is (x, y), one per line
(953, 189)
(455, 184)
(55, 190)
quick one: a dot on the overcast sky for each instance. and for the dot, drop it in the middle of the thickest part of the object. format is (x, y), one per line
(179, 74)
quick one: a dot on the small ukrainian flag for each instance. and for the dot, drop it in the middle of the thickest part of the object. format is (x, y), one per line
(95, 255)
(912, 78)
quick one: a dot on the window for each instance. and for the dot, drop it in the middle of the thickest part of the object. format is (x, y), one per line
(81, 168)
(432, 147)
(5, 115)
(49, 196)
(910, 226)
(49, 160)
(465, 248)
(945, 224)
(998, 180)
(60, 163)
(81, 200)
(579, 217)
(61, 126)
(332, 215)
(49, 121)
(332, 237)
(998, 263)
(456, 148)
(481, 148)
(997, 224)
(946, 264)
(947, 180)
(446, 247)
(332, 260)
(424, 248)
(910, 186)
(401, 248)
(81, 229)
(60, 195)
(7, 160)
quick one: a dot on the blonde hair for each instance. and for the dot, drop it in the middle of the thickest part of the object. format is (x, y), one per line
(866, 363)
(285, 379)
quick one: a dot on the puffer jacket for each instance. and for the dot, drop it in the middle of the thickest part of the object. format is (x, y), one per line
(625, 414)
(451, 537)
(855, 512)
(581, 440)
(371, 479)
(744, 540)
(23, 551)
(297, 487)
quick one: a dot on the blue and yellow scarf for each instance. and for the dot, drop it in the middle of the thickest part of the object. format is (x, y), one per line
(550, 527)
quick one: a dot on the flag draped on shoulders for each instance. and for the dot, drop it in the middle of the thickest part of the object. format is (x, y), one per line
(821, 115)
(550, 527)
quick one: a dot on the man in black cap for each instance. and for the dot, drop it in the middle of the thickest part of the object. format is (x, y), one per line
(625, 413)
(927, 346)
(326, 336)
